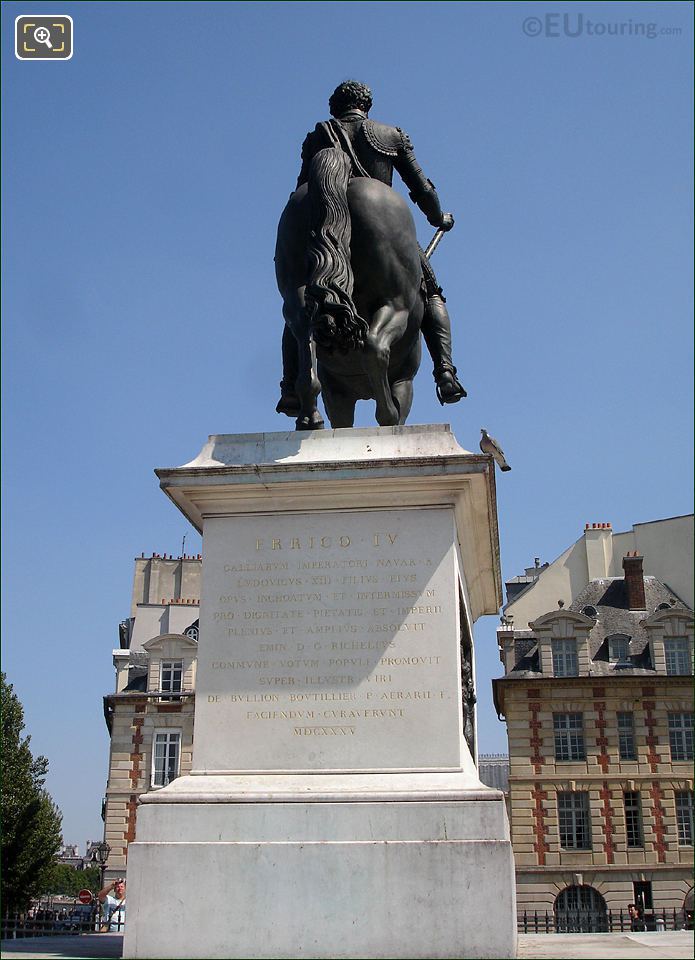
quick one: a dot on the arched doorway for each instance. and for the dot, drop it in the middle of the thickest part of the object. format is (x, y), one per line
(580, 910)
(689, 910)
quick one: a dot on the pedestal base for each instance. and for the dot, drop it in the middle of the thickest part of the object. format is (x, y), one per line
(327, 878)
(334, 808)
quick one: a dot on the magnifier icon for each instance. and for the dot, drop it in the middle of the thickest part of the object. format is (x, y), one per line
(43, 35)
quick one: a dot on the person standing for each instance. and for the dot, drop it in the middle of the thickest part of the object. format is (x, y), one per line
(636, 917)
(112, 900)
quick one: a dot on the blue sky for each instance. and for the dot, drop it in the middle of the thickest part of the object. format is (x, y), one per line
(143, 180)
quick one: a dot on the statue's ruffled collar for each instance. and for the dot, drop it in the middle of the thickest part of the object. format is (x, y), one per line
(352, 114)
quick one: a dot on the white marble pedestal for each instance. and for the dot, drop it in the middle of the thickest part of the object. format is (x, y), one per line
(334, 808)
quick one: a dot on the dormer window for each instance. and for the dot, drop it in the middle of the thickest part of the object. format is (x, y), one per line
(192, 632)
(565, 657)
(171, 678)
(619, 650)
(590, 611)
(677, 651)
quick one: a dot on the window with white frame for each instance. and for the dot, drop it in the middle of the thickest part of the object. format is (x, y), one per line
(569, 736)
(565, 657)
(684, 817)
(680, 735)
(166, 757)
(619, 649)
(677, 651)
(574, 821)
(627, 747)
(171, 677)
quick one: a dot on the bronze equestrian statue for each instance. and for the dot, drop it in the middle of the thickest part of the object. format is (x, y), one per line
(353, 279)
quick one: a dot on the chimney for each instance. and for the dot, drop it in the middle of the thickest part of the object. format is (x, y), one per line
(634, 581)
(598, 538)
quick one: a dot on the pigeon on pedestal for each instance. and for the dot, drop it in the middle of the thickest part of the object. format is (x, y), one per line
(489, 445)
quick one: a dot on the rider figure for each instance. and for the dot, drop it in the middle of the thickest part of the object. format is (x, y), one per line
(375, 149)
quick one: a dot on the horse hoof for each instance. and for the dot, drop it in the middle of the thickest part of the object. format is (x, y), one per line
(314, 422)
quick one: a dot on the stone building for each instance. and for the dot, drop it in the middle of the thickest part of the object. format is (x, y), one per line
(493, 770)
(150, 714)
(598, 699)
(69, 856)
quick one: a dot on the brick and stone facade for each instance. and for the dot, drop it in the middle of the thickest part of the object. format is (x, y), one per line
(598, 700)
(154, 693)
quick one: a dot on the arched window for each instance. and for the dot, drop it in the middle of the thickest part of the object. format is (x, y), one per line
(689, 910)
(580, 910)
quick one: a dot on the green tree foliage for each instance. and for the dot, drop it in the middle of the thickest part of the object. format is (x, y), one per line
(62, 878)
(31, 834)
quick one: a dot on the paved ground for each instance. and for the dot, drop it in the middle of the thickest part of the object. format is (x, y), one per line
(554, 946)
(94, 945)
(606, 946)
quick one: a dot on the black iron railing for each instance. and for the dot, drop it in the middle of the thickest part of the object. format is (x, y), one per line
(53, 923)
(46, 923)
(594, 921)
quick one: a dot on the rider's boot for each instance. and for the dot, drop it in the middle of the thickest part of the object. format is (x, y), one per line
(436, 329)
(289, 401)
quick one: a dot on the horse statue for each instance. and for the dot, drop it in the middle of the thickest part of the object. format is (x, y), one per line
(349, 272)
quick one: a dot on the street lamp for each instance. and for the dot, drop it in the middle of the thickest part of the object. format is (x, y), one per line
(101, 854)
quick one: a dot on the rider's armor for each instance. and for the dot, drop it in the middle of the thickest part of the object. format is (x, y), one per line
(375, 150)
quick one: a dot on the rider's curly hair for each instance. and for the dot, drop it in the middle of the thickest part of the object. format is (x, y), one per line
(352, 93)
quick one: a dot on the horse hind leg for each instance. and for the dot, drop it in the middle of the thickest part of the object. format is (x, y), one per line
(308, 388)
(387, 326)
(306, 383)
(403, 397)
(339, 404)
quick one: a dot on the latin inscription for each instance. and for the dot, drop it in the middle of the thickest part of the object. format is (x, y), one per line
(328, 634)
(308, 605)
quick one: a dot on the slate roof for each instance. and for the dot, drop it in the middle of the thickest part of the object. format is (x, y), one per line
(137, 679)
(526, 652)
(608, 596)
(516, 586)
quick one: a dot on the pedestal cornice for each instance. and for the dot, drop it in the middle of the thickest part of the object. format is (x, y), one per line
(343, 470)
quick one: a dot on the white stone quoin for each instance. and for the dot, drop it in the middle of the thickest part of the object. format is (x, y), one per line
(334, 809)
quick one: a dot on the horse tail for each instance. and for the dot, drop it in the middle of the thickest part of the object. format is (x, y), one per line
(331, 313)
